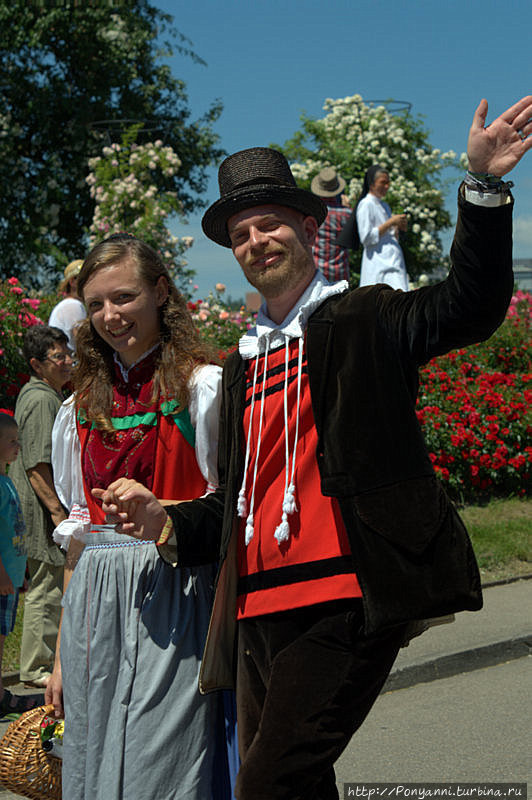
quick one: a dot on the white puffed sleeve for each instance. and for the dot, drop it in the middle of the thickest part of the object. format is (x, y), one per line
(66, 465)
(204, 407)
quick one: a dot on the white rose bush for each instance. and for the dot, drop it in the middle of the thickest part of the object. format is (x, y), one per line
(351, 137)
(134, 187)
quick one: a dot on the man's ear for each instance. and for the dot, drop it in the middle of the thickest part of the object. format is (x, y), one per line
(310, 226)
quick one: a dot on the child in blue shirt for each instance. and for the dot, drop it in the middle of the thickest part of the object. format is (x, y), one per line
(12, 556)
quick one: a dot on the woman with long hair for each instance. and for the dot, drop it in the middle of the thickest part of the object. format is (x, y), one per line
(145, 406)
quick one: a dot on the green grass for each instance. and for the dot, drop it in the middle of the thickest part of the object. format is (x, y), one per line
(501, 533)
(12, 643)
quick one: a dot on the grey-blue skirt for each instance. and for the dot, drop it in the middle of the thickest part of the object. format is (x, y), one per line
(136, 727)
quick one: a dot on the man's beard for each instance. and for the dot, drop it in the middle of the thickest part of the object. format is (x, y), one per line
(282, 276)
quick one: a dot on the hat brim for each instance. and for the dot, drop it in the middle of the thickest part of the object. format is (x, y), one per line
(214, 222)
(63, 286)
(315, 187)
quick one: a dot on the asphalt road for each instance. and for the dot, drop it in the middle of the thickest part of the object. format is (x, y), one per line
(471, 727)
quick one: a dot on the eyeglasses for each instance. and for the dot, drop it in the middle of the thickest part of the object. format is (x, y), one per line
(59, 358)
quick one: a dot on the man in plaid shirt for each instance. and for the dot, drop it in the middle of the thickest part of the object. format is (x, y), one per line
(331, 259)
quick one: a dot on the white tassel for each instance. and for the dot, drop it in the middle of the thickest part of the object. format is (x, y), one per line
(242, 506)
(282, 531)
(289, 502)
(249, 529)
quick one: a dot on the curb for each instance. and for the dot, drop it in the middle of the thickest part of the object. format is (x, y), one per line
(506, 581)
(10, 678)
(465, 661)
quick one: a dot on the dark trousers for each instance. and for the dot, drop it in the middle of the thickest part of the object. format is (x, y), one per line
(306, 680)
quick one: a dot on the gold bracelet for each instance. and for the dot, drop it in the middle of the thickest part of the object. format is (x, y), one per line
(167, 531)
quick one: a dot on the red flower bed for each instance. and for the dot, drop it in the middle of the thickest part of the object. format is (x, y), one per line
(474, 408)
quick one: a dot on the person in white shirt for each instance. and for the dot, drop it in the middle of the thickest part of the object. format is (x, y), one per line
(70, 311)
(378, 229)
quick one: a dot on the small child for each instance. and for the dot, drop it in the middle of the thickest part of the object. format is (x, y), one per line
(12, 557)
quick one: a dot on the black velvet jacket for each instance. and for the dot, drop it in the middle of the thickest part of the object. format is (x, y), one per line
(364, 347)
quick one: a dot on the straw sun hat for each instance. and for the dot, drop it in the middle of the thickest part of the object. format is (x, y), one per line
(72, 270)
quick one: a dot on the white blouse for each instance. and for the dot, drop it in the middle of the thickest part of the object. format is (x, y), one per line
(382, 260)
(204, 409)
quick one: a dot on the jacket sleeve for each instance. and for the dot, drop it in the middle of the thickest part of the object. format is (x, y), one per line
(471, 303)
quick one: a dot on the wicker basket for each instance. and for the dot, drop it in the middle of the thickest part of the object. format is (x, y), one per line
(25, 768)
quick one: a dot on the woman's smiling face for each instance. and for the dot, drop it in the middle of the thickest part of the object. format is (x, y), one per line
(124, 309)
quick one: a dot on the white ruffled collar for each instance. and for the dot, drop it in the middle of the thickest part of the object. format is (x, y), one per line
(294, 324)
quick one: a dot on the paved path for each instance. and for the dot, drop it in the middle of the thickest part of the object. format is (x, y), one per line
(472, 727)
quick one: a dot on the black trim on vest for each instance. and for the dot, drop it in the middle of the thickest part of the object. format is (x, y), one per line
(295, 573)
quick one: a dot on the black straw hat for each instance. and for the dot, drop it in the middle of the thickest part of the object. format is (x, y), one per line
(255, 177)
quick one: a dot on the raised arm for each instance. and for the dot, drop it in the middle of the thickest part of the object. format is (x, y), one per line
(497, 148)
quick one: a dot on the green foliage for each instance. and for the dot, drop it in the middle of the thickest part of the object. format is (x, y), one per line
(66, 73)
(354, 135)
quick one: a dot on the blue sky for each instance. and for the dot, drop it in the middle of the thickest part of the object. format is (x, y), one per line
(270, 61)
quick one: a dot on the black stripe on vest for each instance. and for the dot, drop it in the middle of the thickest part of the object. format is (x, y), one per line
(295, 573)
(277, 387)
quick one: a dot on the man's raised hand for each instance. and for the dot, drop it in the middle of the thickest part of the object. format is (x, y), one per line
(497, 148)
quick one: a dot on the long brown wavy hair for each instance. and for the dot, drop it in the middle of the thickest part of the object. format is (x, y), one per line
(181, 347)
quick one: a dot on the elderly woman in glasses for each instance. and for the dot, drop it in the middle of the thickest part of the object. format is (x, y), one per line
(48, 358)
(145, 406)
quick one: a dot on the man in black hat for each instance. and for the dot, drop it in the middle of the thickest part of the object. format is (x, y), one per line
(335, 535)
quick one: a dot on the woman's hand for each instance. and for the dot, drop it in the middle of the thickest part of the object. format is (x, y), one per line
(399, 221)
(53, 694)
(132, 509)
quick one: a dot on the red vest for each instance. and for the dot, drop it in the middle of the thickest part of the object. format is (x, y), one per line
(152, 444)
(314, 565)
